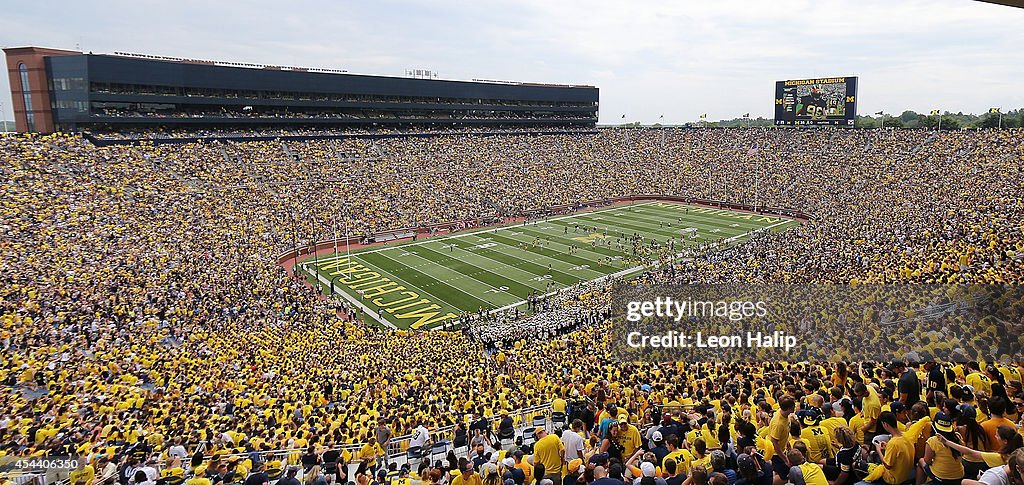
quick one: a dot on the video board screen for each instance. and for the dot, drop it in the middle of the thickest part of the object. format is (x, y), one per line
(819, 101)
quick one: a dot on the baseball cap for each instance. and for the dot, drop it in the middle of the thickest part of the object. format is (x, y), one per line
(666, 417)
(647, 468)
(657, 437)
(897, 407)
(599, 459)
(508, 462)
(942, 423)
(896, 364)
(746, 465)
(809, 417)
(968, 411)
(575, 465)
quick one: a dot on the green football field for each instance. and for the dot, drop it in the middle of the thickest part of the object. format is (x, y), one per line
(430, 282)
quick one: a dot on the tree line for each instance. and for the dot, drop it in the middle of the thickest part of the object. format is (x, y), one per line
(907, 119)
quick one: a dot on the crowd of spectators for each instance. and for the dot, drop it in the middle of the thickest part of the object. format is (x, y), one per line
(143, 310)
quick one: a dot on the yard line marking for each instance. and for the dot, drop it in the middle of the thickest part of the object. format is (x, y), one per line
(483, 270)
(473, 233)
(630, 271)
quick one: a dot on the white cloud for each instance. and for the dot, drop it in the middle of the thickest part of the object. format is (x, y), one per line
(649, 58)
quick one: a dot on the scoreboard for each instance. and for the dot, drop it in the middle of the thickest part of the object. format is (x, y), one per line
(820, 101)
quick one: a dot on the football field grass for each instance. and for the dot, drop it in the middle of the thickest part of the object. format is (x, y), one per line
(430, 282)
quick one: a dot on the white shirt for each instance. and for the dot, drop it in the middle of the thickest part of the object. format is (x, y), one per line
(177, 451)
(995, 476)
(573, 445)
(419, 436)
(151, 473)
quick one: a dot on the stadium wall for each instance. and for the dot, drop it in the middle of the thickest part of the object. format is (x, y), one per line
(27, 65)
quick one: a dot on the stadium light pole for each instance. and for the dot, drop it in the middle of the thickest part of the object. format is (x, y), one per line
(625, 126)
(348, 241)
(295, 246)
(312, 228)
(662, 123)
(334, 222)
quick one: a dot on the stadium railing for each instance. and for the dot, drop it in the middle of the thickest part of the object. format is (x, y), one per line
(522, 419)
(398, 447)
(29, 479)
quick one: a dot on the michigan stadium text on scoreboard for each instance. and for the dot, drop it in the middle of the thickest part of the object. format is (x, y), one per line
(817, 101)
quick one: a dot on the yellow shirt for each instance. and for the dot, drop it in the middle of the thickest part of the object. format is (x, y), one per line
(682, 457)
(991, 425)
(630, 441)
(368, 453)
(918, 428)
(830, 425)
(819, 446)
(546, 452)
(527, 470)
(872, 407)
(704, 462)
(778, 429)
(558, 405)
(462, 480)
(944, 465)
(85, 476)
(857, 425)
(813, 474)
(899, 461)
(709, 433)
(979, 382)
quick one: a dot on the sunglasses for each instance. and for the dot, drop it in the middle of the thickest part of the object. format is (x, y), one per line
(1019, 404)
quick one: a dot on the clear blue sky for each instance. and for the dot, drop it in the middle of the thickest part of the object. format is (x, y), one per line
(675, 58)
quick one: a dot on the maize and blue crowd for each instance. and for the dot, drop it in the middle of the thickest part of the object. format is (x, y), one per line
(147, 326)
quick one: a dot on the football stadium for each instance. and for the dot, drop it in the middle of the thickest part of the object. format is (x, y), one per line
(221, 272)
